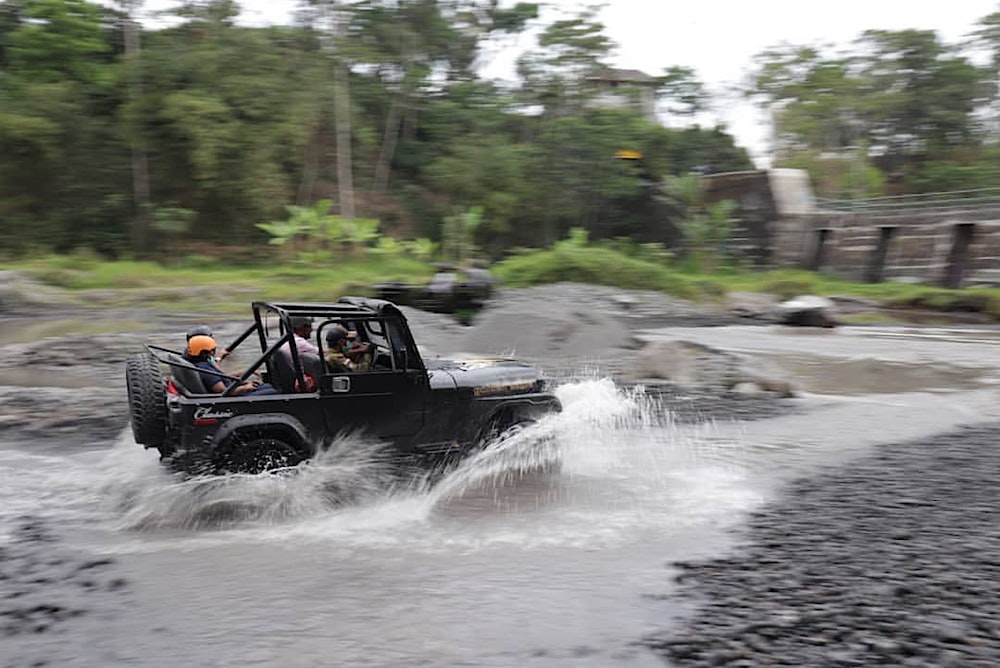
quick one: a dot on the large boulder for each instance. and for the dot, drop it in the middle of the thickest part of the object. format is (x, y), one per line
(692, 365)
(807, 311)
(753, 305)
(753, 376)
(674, 361)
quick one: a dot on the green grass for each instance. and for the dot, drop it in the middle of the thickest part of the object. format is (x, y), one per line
(594, 264)
(787, 283)
(197, 286)
(216, 287)
(602, 266)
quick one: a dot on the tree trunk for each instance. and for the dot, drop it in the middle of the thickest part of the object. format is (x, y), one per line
(310, 169)
(392, 127)
(140, 166)
(388, 150)
(342, 113)
(345, 171)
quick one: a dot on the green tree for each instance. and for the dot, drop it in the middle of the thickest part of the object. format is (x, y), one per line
(681, 91)
(554, 76)
(903, 99)
(705, 226)
(60, 156)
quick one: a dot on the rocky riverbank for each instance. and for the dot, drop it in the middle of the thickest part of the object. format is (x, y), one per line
(65, 380)
(44, 584)
(891, 560)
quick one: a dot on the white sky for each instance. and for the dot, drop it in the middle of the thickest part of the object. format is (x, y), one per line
(718, 38)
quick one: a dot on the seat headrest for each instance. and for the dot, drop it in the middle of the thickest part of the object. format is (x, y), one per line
(186, 377)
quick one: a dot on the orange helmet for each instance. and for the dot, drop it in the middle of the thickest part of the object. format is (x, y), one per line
(201, 344)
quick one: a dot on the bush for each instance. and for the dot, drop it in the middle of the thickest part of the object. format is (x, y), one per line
(598, 265)
(709, 288)
(197, 262)
(787, 288)
(57, 276)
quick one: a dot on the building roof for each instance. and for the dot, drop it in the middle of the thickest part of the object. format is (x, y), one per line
(622, 76)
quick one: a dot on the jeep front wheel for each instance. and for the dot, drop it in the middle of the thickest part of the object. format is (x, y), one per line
(147, 400)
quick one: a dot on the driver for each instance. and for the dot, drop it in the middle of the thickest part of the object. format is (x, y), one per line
(342, 354)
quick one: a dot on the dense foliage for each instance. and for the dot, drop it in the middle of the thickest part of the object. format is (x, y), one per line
(901, 113)
(146, 143)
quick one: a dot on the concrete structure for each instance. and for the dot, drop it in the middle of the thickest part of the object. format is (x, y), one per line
(950, 239)
(626, 89)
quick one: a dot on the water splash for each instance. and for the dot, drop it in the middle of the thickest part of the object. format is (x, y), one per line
(612, 459)
(350, 470)
(593, 411)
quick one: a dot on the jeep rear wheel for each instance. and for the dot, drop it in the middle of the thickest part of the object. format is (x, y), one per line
(255, 455)
(147, 400)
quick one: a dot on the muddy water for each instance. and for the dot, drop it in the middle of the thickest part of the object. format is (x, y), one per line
(501, 563)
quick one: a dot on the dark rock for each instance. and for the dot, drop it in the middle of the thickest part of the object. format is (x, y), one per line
(807, 311)
(864, 565)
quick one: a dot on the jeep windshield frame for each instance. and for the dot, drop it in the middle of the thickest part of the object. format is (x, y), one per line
(392, 323)
(380, 317)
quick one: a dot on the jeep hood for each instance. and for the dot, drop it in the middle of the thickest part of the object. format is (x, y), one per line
(491, 376)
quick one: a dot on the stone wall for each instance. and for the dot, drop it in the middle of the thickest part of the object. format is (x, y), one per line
(750, 237)
(780, 226)
(941, 246)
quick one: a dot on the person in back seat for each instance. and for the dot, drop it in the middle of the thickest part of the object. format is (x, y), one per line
(301, 332)
(205, 330)
(201, 351)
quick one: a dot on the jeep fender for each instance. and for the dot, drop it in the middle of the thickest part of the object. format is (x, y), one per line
(275, 425)
(509, 411)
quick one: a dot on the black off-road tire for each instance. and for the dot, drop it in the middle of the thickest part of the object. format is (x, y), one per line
(255, 455)
(507, 426)
(501, 426)
(147, 400)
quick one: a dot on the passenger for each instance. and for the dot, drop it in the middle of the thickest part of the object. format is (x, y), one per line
(201, 352)
(343, 354)
(301, 330)
(205, 330)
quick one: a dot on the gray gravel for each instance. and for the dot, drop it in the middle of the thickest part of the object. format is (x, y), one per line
(44, 585)
(891, 560)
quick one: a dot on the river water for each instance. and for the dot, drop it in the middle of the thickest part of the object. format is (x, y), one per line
(502, 563)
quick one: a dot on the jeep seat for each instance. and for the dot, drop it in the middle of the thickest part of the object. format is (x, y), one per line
(283, 375)
(186, 377)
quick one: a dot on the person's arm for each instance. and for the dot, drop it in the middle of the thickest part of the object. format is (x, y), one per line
(358, 349)
(217, 385)
(248, 386)
(337, 362)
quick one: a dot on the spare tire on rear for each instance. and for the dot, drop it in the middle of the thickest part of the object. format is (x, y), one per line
(147, 400)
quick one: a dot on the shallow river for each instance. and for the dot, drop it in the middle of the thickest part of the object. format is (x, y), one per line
(490, 567)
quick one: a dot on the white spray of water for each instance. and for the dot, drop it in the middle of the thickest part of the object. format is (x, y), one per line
(350, 470)
(610, 462)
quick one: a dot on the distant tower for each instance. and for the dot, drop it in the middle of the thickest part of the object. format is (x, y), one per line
(625, 89)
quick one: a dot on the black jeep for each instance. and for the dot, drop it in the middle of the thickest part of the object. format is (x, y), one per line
(435, 411)
(459, 290)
